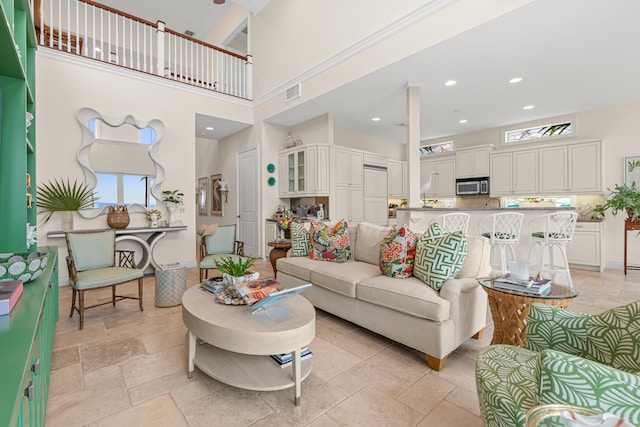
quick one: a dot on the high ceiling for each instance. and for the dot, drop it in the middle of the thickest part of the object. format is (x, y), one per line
(573, 55)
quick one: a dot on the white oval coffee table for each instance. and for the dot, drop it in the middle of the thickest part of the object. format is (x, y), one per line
(238, 342)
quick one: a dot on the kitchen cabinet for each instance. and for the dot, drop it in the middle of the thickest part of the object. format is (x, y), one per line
(26, 339)
(440, 175)
(397, 179)
(271, 233)
(513, 173)
(18, 147)
(473, 163)
(304, 171)
(585, 250)
(349, 204)
(375, 207)
(573, 168)
(348, 167)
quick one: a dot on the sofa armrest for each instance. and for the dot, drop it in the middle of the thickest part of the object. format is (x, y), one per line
(555, 328)
(573, 380)
(468, 306)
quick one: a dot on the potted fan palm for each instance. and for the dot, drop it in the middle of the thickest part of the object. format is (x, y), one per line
(64, 197)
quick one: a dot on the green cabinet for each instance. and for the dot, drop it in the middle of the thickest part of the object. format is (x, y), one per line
(17, 146)
(26, 340)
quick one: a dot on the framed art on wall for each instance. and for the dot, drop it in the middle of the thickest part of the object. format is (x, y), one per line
(203, 190)
(216, 195)
(632, 170)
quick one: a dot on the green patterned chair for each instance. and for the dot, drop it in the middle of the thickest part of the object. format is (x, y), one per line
(214, 247)
(591, 361)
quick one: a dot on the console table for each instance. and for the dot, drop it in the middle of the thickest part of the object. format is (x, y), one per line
(136, 234)
(629, 226)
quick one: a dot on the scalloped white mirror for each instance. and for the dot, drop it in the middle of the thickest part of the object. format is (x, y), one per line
(111, 146)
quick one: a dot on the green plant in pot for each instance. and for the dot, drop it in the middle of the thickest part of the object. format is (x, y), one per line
(622, 197)
(235, 270)
(61, 196)
(172, 199)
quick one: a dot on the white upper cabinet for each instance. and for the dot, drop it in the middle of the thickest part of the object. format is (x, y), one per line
(348, 166)
(303, 171)
(440, 174)
(473, 163)
(318, 170)
(397, 179)
(514, 173)
(574, 168)
(553, 170)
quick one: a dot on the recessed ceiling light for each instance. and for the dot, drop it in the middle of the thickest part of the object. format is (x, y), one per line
(515, 80)
(463, 121)
(209, 128)
(375, 119)
(450, 82)
(528, 107)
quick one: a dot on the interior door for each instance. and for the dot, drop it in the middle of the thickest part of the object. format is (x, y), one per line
(248, 200)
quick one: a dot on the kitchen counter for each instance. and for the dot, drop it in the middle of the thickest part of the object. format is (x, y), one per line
(429, 209)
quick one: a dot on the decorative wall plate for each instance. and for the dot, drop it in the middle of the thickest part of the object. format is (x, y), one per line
(272, 181)
(271, 168)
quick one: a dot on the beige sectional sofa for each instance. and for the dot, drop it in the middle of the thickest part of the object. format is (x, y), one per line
(404, 310)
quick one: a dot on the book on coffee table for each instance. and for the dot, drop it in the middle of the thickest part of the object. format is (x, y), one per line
(531, 286)
(265, 292)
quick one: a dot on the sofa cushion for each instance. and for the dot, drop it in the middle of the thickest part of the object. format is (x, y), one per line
(330, 243)
(408, 296)
(397, 252)
(299, 240)
(342, 277)
(476, 264)
(440, 259)
(367, 246)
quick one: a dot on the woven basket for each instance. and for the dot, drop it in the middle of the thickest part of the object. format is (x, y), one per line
(118, 217)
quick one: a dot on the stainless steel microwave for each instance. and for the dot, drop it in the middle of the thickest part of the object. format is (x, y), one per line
(470, 186)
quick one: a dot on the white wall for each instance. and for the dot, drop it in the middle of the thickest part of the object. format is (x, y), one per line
(206, 165)
(65, 86)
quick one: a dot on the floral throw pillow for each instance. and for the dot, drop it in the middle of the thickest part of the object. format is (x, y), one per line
(439, 259)
(397, 252)
(299, 239)
(330, 243)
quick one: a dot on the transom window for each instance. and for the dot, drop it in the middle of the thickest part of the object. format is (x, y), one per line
(539, 132)
(442, 147)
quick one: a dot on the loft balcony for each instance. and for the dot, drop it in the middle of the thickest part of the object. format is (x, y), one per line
(100, 33)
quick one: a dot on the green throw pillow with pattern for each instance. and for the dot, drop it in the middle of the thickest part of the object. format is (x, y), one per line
(439, 259)
(299, 239)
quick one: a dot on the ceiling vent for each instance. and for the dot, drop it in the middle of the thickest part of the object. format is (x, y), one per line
(293, 92)
(189, 33)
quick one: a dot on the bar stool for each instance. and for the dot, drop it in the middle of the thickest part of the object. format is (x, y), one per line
(451, 222)
(503, 231)
(549, 232)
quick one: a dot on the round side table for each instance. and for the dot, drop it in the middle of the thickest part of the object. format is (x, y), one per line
(280, 248)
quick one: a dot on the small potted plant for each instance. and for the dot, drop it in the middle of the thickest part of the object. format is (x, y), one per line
(622, 197)
(64, 197)
(235, 270)
(172, 199)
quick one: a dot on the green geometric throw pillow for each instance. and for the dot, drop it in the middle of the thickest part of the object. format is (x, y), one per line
(439, 259)
(299, 239)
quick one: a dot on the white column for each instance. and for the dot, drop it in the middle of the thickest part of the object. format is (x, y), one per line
(160, 48)
(413, 145)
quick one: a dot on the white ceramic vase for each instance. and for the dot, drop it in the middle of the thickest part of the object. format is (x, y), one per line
(171, 207)
(154, 220)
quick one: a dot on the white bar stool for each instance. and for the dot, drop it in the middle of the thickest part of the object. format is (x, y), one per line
(503, 231)
(551, 231)
(452, 222)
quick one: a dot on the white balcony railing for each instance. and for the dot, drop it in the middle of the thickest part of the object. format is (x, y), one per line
(95, 31)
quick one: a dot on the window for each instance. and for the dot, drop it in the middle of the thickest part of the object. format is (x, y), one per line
(539, 132)
(441, 147)
(122, 189)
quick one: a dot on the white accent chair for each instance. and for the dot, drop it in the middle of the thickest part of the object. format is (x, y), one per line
(503, 231)
(451, 222)
(549, 235)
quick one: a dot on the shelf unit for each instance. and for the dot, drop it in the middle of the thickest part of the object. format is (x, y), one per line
(17, 147)
(26, 339)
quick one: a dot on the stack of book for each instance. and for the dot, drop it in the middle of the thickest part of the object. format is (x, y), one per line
(10, 292)
(284, 360)
(531, 286)
(213, 285)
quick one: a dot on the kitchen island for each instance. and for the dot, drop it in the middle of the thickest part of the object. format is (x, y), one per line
(418, 219)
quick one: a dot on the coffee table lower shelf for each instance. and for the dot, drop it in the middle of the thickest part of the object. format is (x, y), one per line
(250, 372)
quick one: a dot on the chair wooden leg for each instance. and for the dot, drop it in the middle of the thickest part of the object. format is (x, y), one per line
(73, 300)
(435, 363)
(113, 295)
(479, 334)
(81, 307)
(140, 293)
(201, 275)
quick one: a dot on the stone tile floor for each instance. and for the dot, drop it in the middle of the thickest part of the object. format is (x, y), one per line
(129, 368)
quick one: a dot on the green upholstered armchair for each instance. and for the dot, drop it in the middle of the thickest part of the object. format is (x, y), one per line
(591, 361)
(219, 245)
(92, 264)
